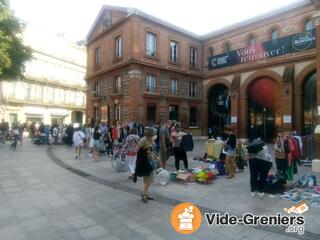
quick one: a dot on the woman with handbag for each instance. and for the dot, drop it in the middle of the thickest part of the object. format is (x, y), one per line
(145, 164)
(78, 137)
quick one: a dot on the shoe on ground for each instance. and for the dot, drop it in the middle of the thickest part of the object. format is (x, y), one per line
(144, 198)
(150, 198)
(261, 194)
(253, 194)
(229, 176)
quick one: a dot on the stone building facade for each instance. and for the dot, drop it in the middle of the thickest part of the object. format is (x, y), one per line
(53, 88)
(174, 88)
(258, 75)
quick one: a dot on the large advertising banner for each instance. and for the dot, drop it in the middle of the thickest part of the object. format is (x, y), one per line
(282, 46)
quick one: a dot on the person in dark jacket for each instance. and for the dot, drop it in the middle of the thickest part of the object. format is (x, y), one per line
(230, 151)
(69, 132)
(145, 162)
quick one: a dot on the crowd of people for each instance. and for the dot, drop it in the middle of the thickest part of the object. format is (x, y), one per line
(145, 147)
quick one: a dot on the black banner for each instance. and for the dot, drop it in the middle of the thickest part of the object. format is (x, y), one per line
(282, 46)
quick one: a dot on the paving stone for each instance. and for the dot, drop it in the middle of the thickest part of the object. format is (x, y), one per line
(93, 232)
(35, 223)
(29, 213)
(79, 222)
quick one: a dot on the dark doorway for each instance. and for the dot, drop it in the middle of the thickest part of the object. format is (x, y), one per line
(219, 105)
(76, 117)
(263, 109)
(309, 105)
(151, 115)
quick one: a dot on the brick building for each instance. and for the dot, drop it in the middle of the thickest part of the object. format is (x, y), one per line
(259, 75)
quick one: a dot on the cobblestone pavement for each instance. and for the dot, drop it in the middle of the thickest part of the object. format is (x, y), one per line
(39, 199)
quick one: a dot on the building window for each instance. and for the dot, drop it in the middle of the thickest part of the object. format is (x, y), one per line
(151, 44)
(118, 48)
(174, 87)
(98, 58)
(117, 84)
(252, 41)
(308, 25)
(151, 114)
(96, 113)
(106, 21)
(274, 35)
(193, 57)
(226, 47)
(193, 89)
(118, 112)
(96, 89)
(174, 51)
(151, 83)
(193, 117)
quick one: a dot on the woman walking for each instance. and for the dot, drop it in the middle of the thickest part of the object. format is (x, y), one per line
(78, 137)
(230, 151)
(130, 148)
(179, 153)
(145, 162)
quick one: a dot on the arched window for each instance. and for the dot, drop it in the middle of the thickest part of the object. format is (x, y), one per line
(308, 25)
(274, 35)
(252, 41)
(226, 47)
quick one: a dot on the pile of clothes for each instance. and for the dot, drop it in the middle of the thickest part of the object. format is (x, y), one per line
(306, 189)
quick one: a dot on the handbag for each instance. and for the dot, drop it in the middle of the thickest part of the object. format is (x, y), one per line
(91, 143)
(119, 164)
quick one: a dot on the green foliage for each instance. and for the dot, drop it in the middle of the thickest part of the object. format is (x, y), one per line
(13, 53)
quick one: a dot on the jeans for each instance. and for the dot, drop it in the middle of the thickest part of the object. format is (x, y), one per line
(55, 140)
(4, 136)
(15, 140)
(110, 148)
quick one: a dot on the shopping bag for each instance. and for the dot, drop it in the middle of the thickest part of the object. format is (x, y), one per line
(119, 164)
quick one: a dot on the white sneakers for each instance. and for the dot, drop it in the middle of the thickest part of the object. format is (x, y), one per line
(253, 194)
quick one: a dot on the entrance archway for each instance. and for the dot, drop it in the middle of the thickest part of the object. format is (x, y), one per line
(309, 104)
(219, 107)
(263, 108)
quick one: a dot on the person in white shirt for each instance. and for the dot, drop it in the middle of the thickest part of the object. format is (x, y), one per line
(78, 137)
(55, 135)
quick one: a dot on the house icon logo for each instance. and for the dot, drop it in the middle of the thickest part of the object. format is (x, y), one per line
(186, 218)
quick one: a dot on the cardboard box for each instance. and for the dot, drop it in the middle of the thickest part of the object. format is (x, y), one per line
(186, 177)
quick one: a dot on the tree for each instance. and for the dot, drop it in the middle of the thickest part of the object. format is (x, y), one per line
(13, 53)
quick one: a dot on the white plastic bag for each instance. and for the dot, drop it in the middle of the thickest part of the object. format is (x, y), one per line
(162, 176)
